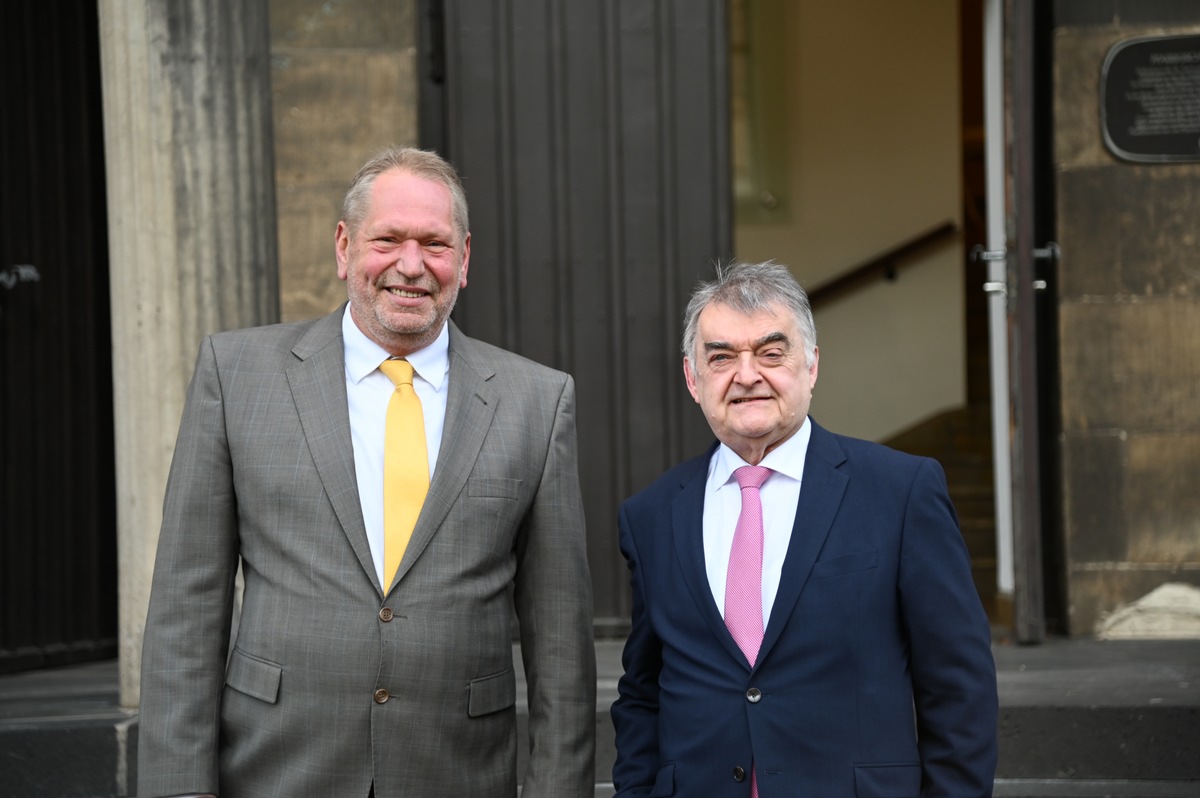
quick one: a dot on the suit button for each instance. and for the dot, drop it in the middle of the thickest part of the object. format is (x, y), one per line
(754, 695)
(739, 773)
(381, 696)
(386, 614)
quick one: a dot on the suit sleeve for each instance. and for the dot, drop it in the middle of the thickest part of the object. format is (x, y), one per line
(635, 712)
(953, 671)
(553, 598)
(191, 601)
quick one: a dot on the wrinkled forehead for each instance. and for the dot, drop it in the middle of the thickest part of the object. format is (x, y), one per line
(722, 323)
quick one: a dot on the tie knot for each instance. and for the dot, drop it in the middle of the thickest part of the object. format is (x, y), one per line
(751, 476)
(398, 371)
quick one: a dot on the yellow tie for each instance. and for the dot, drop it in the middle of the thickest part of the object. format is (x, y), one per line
(405, 466)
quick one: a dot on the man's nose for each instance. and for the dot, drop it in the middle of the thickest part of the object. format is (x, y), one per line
(409, 261)
(747, 369)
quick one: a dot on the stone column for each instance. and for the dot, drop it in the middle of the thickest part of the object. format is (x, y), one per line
(192, 242)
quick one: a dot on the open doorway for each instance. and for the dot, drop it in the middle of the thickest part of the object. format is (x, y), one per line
(858, 155)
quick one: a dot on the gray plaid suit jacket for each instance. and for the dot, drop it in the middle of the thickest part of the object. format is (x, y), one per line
(293, 705)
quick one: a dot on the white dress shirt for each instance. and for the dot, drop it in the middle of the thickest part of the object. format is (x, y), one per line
(723, 503)
(368, 391)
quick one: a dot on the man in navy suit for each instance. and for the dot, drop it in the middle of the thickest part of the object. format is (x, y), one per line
(867, 670)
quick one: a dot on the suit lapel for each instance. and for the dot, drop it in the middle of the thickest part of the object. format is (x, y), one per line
(687, 523)
(318, 383)
(821, 493)
(470, 407)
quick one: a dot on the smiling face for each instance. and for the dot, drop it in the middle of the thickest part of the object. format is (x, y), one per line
(750, 376)
(403, 264)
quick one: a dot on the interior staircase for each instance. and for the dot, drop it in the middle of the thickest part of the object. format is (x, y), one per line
(961, 440)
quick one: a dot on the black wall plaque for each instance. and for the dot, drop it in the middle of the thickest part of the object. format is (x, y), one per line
(1150, 99)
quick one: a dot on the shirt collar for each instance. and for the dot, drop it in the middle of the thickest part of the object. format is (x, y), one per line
(363, 355)
(786, 459)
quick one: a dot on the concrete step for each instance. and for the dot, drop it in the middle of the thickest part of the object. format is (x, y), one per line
(1100, 710)
(1079, 719)
(1078, 788)
(63, 733)
(1074, 715)
(1062, 788)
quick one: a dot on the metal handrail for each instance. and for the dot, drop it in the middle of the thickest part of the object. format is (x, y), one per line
(886, 264)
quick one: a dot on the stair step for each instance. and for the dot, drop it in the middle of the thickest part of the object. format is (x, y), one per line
(1077, 788)
(1060, 788)
(1078, 719)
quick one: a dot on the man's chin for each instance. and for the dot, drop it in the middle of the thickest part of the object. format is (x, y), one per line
(752, 420)
(403, 322)
(409, 330)
(749, 433)
(765, 435)
(406, 334)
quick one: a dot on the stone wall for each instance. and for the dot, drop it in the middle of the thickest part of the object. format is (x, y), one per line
(1129, 328)
(343, 84)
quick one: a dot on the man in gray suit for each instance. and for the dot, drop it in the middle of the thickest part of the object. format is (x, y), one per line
(343, 680)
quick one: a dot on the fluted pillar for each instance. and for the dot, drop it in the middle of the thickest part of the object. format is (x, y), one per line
(192, 241)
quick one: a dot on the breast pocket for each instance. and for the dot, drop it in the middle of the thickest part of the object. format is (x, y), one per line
(836, 586)
(846, 564)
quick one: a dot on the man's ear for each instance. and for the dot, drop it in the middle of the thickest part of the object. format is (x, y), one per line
(341, 249)
(689, 376)
(466, 261)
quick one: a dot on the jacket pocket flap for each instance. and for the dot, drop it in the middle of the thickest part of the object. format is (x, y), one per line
(664, 782)
(255, 677)
(846, 564)
(887, 781)
(492, 693)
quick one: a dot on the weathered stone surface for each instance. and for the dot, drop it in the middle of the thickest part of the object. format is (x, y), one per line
(1131, 498)
(1079, 55)
(1129, 231)
(332, 108)
(355, 24)
(344, 83)
(307, 218)
(191, 237)
(1170, 611)
(1131, 365)
(1094, 496)
(1162, 489)
(1096, 590)
(1129, 341)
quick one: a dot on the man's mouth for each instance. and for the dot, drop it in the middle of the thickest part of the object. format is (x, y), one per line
(744, 399)
(407, 293)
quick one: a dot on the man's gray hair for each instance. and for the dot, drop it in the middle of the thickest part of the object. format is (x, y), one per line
(423, 164)
(748, 288)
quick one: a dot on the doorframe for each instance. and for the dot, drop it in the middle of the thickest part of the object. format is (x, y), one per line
(1021, 283)
(996, 288)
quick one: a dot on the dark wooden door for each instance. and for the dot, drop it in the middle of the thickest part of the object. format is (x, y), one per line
(592, 138)
(58, 575)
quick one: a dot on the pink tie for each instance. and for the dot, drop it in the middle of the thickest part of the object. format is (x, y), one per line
(743, 581)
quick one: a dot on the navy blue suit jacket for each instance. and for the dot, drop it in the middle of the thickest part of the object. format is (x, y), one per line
(875, 678)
